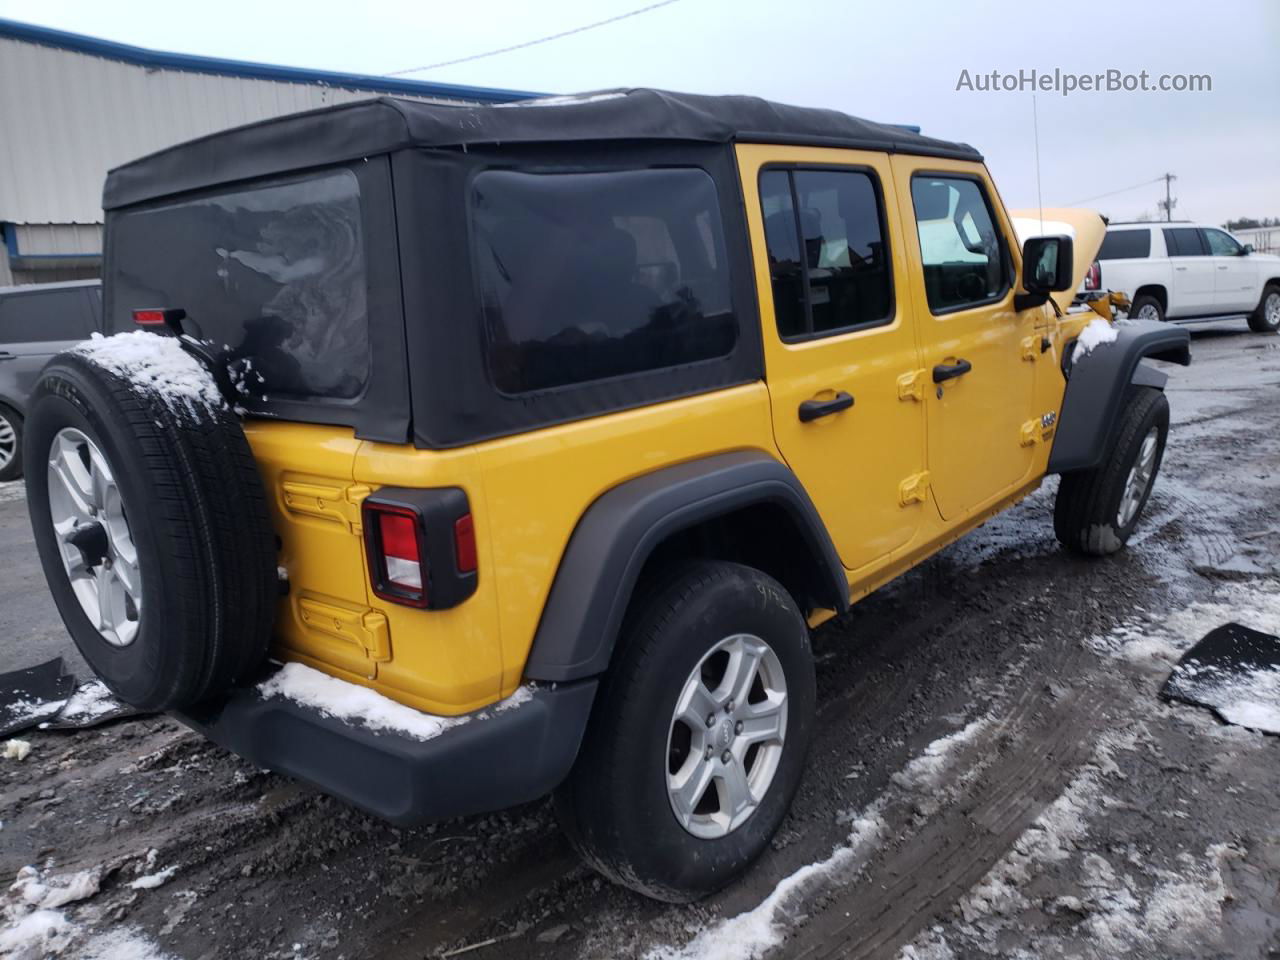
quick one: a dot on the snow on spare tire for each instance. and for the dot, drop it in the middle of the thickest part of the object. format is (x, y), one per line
(150, 519)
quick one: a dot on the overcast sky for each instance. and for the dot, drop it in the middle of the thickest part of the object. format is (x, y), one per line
(891, 60)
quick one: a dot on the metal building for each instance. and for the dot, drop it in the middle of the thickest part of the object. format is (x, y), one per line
(72, 106)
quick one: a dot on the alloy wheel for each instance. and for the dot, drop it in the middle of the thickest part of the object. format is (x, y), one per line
(1139, 479)
(8, 442)
(93, 536)
(726, 736)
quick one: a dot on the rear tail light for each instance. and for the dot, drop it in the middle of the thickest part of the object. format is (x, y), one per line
(400, 549)
(160, 317)
(421, 546)
(1093, 279)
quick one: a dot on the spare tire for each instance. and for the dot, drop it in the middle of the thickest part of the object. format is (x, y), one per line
(151, 520)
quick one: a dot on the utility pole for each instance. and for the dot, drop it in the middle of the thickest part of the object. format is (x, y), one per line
(1168, 203)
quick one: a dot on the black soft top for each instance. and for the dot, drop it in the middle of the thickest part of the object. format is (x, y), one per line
(385, 124)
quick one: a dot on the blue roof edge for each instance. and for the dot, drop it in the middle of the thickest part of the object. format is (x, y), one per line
(47, 36)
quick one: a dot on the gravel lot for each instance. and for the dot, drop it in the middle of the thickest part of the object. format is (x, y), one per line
(993, 773)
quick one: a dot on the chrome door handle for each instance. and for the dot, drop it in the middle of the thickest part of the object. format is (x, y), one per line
(1181, 269)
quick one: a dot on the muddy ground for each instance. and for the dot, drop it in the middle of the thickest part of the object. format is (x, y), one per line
(993, 774)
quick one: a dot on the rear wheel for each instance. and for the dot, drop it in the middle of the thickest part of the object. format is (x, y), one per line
(698, 736)
(1146, 307)
(1266, 319)
(10, 443)
(1097, 510)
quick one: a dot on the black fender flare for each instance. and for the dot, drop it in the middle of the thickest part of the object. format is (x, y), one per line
(1097, 384)
(617, 533)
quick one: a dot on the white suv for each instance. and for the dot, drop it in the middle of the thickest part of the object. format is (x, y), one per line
(1184, 271)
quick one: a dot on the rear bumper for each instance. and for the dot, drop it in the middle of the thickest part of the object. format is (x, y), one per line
(495, 760)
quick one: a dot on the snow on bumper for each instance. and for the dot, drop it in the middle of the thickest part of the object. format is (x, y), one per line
(497, 759)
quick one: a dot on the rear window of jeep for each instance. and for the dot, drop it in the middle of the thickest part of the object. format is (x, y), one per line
(274, 272)
(588, 276)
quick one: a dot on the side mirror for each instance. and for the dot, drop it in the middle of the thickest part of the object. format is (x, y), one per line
(1047, 264)
(1248, 249)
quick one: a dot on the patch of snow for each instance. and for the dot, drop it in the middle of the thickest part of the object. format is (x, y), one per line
(1098, 332)
(153, 880)
(356, 704)
(16, 749)
(33, 935)
(123, 944)
(926, 771)
(47, 893)
(157, 364)
(1160, 644)
(26, 711)
(750, 935)
(90, 700)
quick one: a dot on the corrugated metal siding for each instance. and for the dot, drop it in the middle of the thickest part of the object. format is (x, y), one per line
(67, 117)
(58, 239)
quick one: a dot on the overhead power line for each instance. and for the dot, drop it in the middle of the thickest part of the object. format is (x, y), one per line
(534, 43)
(1144, 183)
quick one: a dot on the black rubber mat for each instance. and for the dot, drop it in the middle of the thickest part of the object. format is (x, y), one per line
(33, 695)
(1234, 671)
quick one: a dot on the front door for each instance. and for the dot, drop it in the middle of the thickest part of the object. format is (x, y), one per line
(838, 338)
(978, 352)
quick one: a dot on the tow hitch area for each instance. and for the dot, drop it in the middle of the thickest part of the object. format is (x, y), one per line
(1235, 672)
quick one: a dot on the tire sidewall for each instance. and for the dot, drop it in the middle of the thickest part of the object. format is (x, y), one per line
(749, 603)
(1156, 415)
(136, 673)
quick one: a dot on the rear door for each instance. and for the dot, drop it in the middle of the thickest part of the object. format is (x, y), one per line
(34, 325)
(1193, 292)
(1235, 284)
(978, 353)
(838, 341)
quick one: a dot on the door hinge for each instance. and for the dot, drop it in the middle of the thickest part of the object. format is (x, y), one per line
(1031, 348)
(911, 385)
(1031, 433)
(365, 628)
(326, 501)
(914, 489)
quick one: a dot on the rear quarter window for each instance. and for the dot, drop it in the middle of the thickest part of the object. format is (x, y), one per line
(588, 276)
(1125, 245)
(274, 273)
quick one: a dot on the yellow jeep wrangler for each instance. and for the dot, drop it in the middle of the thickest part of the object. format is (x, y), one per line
(446, 457)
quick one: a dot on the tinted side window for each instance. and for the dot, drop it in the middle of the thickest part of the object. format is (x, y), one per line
(829, 264)
(1222, 244)
(962, 252)
(585, 276)
(1125, 245)
(1185, 242)
(42, 316)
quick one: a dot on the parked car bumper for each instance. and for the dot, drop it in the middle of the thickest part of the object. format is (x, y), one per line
(495, 760)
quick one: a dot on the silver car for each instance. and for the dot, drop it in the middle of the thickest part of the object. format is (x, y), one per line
(36, 322)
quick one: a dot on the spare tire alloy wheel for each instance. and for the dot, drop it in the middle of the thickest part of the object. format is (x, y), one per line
(94, 540)
(151, 522)
(727, 736)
